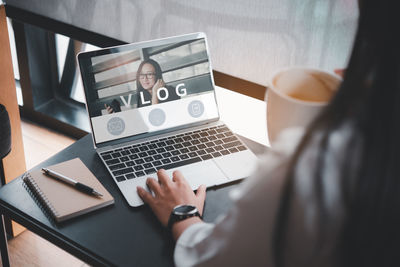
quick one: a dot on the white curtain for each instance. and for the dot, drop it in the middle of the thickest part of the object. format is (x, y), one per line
(249, 39)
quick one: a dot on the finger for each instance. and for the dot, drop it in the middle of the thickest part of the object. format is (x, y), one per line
(144, 195)
(153, 185)
(163, 178)
(201, 196)
(177, 177)
(340, 72)
(201, 192)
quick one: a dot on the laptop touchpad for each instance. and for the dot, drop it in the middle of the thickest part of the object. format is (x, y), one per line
(238, 165)
(205, 172)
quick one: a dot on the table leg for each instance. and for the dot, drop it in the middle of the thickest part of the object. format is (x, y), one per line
(3, 244)
(6, 221)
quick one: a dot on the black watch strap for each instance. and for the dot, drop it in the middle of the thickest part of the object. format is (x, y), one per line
(174, 217)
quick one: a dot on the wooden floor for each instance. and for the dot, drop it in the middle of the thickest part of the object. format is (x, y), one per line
(28, 249)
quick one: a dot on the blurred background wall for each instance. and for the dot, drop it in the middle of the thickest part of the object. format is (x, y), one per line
(248, 39)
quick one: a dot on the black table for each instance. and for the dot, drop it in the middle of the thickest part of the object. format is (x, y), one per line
(116, 235)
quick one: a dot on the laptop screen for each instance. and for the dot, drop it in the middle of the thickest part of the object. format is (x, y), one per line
(148, 87)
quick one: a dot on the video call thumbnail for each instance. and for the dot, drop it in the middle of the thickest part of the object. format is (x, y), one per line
(133, 78)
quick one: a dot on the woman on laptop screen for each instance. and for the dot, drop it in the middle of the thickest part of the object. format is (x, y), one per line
(151, 88)
(328, 195)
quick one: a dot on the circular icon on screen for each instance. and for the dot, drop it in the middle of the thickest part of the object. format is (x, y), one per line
(115, 126)
(157, 117)
(196, 108)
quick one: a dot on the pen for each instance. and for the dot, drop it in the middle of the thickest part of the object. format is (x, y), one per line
(79, 186)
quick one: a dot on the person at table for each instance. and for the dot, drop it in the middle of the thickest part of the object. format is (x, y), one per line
(149, 81)
(324, 196)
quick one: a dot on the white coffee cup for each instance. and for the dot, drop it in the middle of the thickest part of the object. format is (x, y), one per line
(295, 96)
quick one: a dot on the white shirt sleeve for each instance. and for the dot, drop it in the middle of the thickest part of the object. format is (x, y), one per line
(242, 237)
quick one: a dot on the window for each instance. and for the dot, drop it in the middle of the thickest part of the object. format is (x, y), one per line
(48, 82)
(14, 61)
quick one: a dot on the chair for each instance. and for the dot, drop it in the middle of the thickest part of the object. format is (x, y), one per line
(5, 140)
(12, 156)
(5, 148)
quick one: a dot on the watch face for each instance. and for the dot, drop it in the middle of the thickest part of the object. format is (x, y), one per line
(185, 209)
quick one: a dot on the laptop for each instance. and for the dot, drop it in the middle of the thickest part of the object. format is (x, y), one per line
(152, 105)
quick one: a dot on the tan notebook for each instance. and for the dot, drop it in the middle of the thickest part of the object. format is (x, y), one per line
(61, 200)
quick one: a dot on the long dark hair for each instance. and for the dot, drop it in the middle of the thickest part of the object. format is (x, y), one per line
(369, 98)
(157, 69)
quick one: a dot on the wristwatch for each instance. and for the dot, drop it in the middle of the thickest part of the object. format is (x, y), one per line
(182, 212)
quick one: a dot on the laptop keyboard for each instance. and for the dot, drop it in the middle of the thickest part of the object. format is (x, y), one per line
(171, 152)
